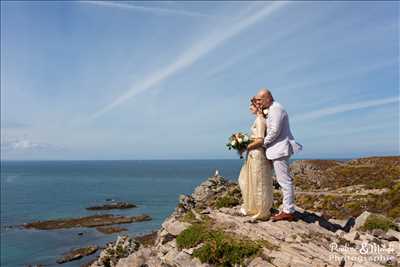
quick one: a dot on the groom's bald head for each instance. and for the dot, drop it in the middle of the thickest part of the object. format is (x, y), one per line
(265, 97)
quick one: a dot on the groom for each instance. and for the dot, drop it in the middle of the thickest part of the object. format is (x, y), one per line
(279, 146)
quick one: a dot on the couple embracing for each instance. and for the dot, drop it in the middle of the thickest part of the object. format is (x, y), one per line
(271, 147)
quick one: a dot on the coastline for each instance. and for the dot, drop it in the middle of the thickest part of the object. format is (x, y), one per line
(267, 243)
(303, 168)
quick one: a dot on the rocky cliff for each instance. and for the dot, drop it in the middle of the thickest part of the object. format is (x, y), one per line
(338, 223)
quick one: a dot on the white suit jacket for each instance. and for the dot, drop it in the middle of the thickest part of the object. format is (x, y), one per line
(279, 141)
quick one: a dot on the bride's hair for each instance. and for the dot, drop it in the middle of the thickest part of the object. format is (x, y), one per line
(258, 107)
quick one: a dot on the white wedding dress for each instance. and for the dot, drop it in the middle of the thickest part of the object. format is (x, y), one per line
(255, 178)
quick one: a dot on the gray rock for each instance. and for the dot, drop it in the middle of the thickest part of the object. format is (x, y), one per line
(187, 202)
(360, 221)
(77, 254)
(206, 191)
(142, 257)
(174, 226)
(206, 211)
(354, 235)
(122, 248)
(258, 262)
(113, 205)
(389, 236)
(340, 233)
(393, 233)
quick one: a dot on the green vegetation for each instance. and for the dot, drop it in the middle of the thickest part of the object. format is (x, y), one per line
(119, 251)
(192, 236)
(371, 176)
(394, 212)
(372, 173)
(188, 217)
(345, 206)
(226, 201)
(375, 221)
(219, 248)
(393, 208)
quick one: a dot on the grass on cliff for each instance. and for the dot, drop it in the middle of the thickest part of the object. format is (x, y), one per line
(371, 176)
(375, 221)
(221, 249)
(192, 236)
(345, 206)
(226, 201)
(218, 247)
(189, 217)
(370, 172)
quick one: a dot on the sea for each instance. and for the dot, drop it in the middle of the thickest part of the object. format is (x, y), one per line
(43, 190)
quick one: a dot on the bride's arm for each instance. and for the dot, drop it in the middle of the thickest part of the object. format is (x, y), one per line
(258, 142)
(260, 132)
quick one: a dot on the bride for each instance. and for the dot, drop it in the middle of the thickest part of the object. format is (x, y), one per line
(255, 178)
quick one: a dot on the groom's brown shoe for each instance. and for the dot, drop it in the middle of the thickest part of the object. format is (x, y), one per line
(283, 216)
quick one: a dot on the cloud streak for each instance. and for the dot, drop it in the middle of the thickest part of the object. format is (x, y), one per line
(155, 10)
(278, 36)
(317, 114)
(193, 54)
(332, 79)
(25, 144)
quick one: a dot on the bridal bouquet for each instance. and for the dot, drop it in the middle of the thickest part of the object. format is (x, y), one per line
(238, 141)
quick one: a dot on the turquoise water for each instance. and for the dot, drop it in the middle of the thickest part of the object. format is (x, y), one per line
(42, 190)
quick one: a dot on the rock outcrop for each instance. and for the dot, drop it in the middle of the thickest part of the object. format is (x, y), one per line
(78, 253)
(87, 221)
(207, 229)
(110, 229)
(122, 248)
(112, 205)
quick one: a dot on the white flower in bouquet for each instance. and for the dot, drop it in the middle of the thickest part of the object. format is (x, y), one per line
(239, 142)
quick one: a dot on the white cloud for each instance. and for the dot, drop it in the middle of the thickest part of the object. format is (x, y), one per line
(194, 53)
(24, 144)
(316, 114)
(153, 9)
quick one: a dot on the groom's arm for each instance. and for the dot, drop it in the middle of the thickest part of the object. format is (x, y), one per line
(274, 128)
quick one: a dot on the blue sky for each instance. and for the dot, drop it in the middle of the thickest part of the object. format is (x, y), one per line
(162, 80)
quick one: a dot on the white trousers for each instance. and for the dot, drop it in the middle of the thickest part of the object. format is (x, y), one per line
(285, 180)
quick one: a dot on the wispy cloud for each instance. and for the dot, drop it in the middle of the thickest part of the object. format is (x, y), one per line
(193, 54)
(148, 9)
(316, 114)
(338, 77)
(277, 36)
(24, 144)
